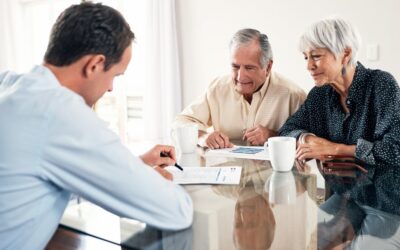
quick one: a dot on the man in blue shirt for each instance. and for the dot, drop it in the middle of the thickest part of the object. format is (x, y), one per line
(52, 143)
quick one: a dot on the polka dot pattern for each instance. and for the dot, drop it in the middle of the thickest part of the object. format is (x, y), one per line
(373, 125)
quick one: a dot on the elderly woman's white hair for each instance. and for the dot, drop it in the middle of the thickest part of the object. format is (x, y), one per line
(334, 34)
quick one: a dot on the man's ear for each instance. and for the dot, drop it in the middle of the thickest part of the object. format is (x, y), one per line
(94, 64)
(269, 67)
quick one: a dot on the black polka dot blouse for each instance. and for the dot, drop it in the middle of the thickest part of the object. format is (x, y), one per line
(373, 125)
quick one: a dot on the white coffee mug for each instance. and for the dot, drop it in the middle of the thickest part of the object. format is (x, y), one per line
(281, 188)
(190, 159)
(185, 138)
(282, 151)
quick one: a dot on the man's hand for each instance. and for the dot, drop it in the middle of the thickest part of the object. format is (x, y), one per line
(153, 156)
(258, 135)
(164, 173)
(217, 140)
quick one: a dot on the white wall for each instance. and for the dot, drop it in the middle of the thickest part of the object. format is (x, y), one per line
(206, 26)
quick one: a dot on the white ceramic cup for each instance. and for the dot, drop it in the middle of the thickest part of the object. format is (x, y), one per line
(282, 151)
(185, 137)
(190, 159)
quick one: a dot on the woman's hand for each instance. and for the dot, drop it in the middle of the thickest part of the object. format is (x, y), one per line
(317, 147)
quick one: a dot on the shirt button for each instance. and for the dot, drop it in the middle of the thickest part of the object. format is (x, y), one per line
(348, 102)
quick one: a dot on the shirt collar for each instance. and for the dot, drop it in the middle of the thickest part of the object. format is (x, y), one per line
(262, 91)
(46, 72)
(264, 87)
(357, 86)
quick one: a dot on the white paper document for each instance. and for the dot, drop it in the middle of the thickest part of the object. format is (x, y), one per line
(247, 152)
(206, 175)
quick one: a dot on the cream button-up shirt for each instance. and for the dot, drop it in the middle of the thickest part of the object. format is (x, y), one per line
(227, 111)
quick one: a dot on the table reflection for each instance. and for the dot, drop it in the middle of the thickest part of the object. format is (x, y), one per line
(255, 214)
(152, 238)
(345, 224)
(254, 221)
(281, 187)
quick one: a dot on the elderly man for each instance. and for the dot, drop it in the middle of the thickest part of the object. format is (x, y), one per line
(54, 145)
(249, 105)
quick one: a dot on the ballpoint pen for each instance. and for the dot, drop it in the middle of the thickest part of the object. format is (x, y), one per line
(163, 154)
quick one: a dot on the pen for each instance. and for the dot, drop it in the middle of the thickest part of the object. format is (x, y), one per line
(163, 154)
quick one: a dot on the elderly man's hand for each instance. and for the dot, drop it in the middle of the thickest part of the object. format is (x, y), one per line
(217, 140)
(257, 135)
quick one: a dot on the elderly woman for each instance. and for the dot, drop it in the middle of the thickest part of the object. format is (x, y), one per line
(352, 111)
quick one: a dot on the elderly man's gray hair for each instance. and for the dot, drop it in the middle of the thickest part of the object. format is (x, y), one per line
(334, 34)
(245, 36)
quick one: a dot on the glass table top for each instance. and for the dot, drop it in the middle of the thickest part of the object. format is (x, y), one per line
(266, 210)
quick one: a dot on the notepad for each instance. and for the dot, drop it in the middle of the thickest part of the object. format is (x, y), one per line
(206, 175)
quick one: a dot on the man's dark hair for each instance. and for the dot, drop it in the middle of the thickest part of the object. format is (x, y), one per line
(88, 28)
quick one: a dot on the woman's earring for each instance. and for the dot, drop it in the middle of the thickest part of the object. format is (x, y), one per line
(343, 71)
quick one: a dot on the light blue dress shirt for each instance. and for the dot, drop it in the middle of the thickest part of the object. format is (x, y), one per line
(51, 145)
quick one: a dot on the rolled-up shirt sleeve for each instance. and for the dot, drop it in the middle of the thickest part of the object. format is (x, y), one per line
(385, 148)
(197, 112)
